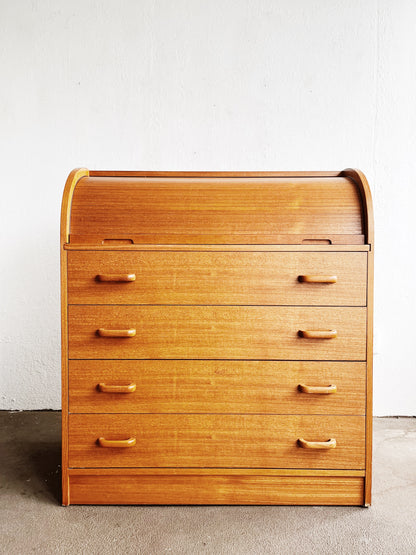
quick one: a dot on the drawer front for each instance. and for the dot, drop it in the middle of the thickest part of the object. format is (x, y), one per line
(211, 386)
(205, 440)
(206, 332)
(125, 488)
(229, 278)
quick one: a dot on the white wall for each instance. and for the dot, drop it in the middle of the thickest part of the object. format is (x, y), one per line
(226, 85)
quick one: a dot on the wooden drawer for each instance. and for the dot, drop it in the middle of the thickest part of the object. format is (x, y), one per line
(212, 386)
(229, 278)
(206, 440)
(216, 332)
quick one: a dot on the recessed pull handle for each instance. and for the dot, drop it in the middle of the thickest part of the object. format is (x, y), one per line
(131, 442)
(318, 334)
(116, 333)
(112, 388)
(317, 279)
(119, 278)
(317, 389)
(117, 242)
(330, 444)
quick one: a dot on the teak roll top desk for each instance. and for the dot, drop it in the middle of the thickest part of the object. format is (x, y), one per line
(216, 338)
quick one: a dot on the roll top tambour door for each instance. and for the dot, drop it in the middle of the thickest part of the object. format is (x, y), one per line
(234, 210)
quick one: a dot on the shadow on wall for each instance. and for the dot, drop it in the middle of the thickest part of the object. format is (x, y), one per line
(30, 314)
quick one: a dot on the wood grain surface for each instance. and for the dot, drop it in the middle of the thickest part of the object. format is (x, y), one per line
(70, 185)
(122, 246)
(217, 332)
(176, 208)
(231, 278)
(215, 490)
(221, 440)
(212, 386)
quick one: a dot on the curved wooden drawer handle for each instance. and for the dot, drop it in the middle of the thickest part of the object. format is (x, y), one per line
(330, 444)
(320, 390)
(116, 333)
(102, 442)
(317, 279)
(124, 278)
(318, 334)
(104, 388)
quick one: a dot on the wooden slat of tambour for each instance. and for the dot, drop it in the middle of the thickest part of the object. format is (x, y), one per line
(120, 247)
(172, 239)
(217, 332)
(212, 206)
(216, 490)
(230, 278)
(214, 471)
(216, 386)
(227, 174)
(207, 440)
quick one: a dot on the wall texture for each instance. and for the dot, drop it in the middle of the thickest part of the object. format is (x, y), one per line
(226, 85)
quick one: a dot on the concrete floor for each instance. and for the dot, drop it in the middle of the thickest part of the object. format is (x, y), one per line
(32, 520)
